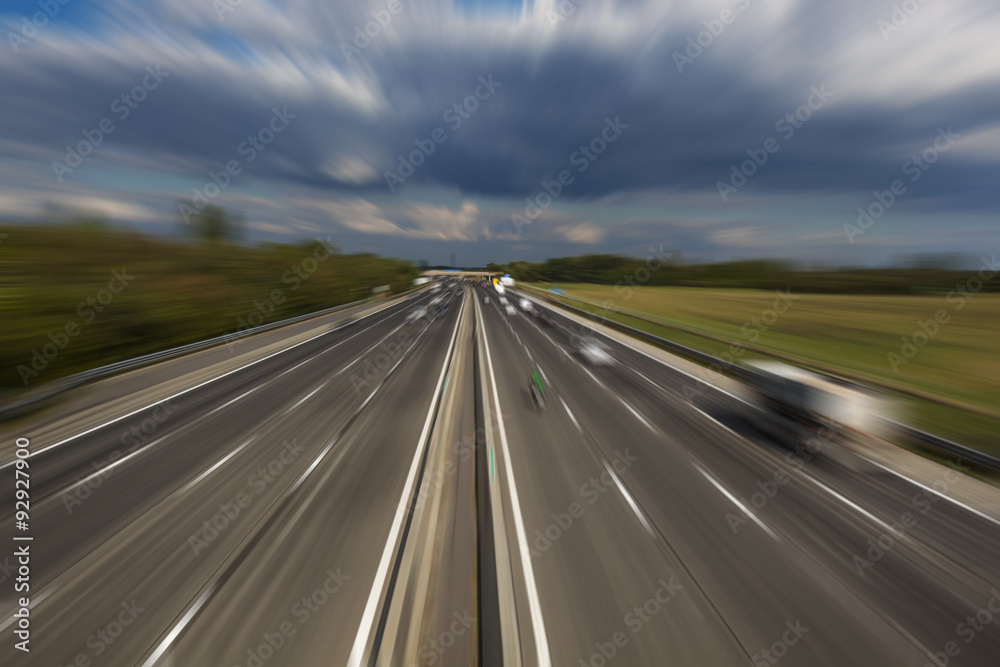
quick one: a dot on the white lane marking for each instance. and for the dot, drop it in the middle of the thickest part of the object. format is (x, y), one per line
(544, 376)
(852, 504)
(177, 629)
(646, 354)
(630, 500)
(741, 400)
(529, 356)
(713, 419)
(197, 386)
(362, 355)
(643, 376)
(35, 601)
(243, 395)
(934, 491)
(736, 501)
(594, 377)
(637, 415)
(570, 413)
(187, 487)
(534, 605)
(306, 397)
(368, 617)
(312, 466)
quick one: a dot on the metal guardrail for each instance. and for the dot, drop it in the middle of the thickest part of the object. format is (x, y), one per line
(920, 438)
(61, 385)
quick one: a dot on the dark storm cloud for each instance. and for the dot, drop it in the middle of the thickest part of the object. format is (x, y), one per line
(560, 85)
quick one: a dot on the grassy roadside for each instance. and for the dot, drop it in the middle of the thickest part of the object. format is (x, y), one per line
(76, 297)
(949, 387)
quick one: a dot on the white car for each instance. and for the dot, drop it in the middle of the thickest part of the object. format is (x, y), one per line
(416, 314)
(594, 352)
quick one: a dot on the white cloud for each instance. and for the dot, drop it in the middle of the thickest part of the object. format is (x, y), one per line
(351, 169)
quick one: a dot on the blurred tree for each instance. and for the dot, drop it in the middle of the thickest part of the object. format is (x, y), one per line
(214, 224)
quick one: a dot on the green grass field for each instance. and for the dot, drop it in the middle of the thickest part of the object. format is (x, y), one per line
(957, 371)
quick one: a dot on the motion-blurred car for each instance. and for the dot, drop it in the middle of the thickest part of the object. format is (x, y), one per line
(542, 316)
(416, 314)
(594, 352)
(441, 311)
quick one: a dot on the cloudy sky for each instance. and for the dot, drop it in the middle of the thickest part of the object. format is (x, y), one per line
(418, 128)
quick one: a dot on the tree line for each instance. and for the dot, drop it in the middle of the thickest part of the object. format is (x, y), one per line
(920, 276)
(79, 295)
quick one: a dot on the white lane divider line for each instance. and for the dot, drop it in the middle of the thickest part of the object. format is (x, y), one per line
(228, 403)
(371, 607)
(177, 629)
(362, 355)
(534, 604)
(629, 499)
(746, 510)
(198, 386)
(594, 377)
(35, 601)
(306, 397)
(935, 491)
(853, 505)
(187, 487)
(571, 415)
(637, 415)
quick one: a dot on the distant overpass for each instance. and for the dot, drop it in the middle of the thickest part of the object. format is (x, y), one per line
(460, 274)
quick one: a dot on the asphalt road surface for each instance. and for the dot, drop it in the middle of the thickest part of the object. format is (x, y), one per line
(387, 492)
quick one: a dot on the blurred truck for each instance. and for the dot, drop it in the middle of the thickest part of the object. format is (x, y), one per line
(814, 414)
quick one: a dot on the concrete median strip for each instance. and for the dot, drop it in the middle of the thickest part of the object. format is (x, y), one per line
(365, 639)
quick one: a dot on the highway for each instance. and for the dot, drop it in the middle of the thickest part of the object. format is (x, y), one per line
(380, 491)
